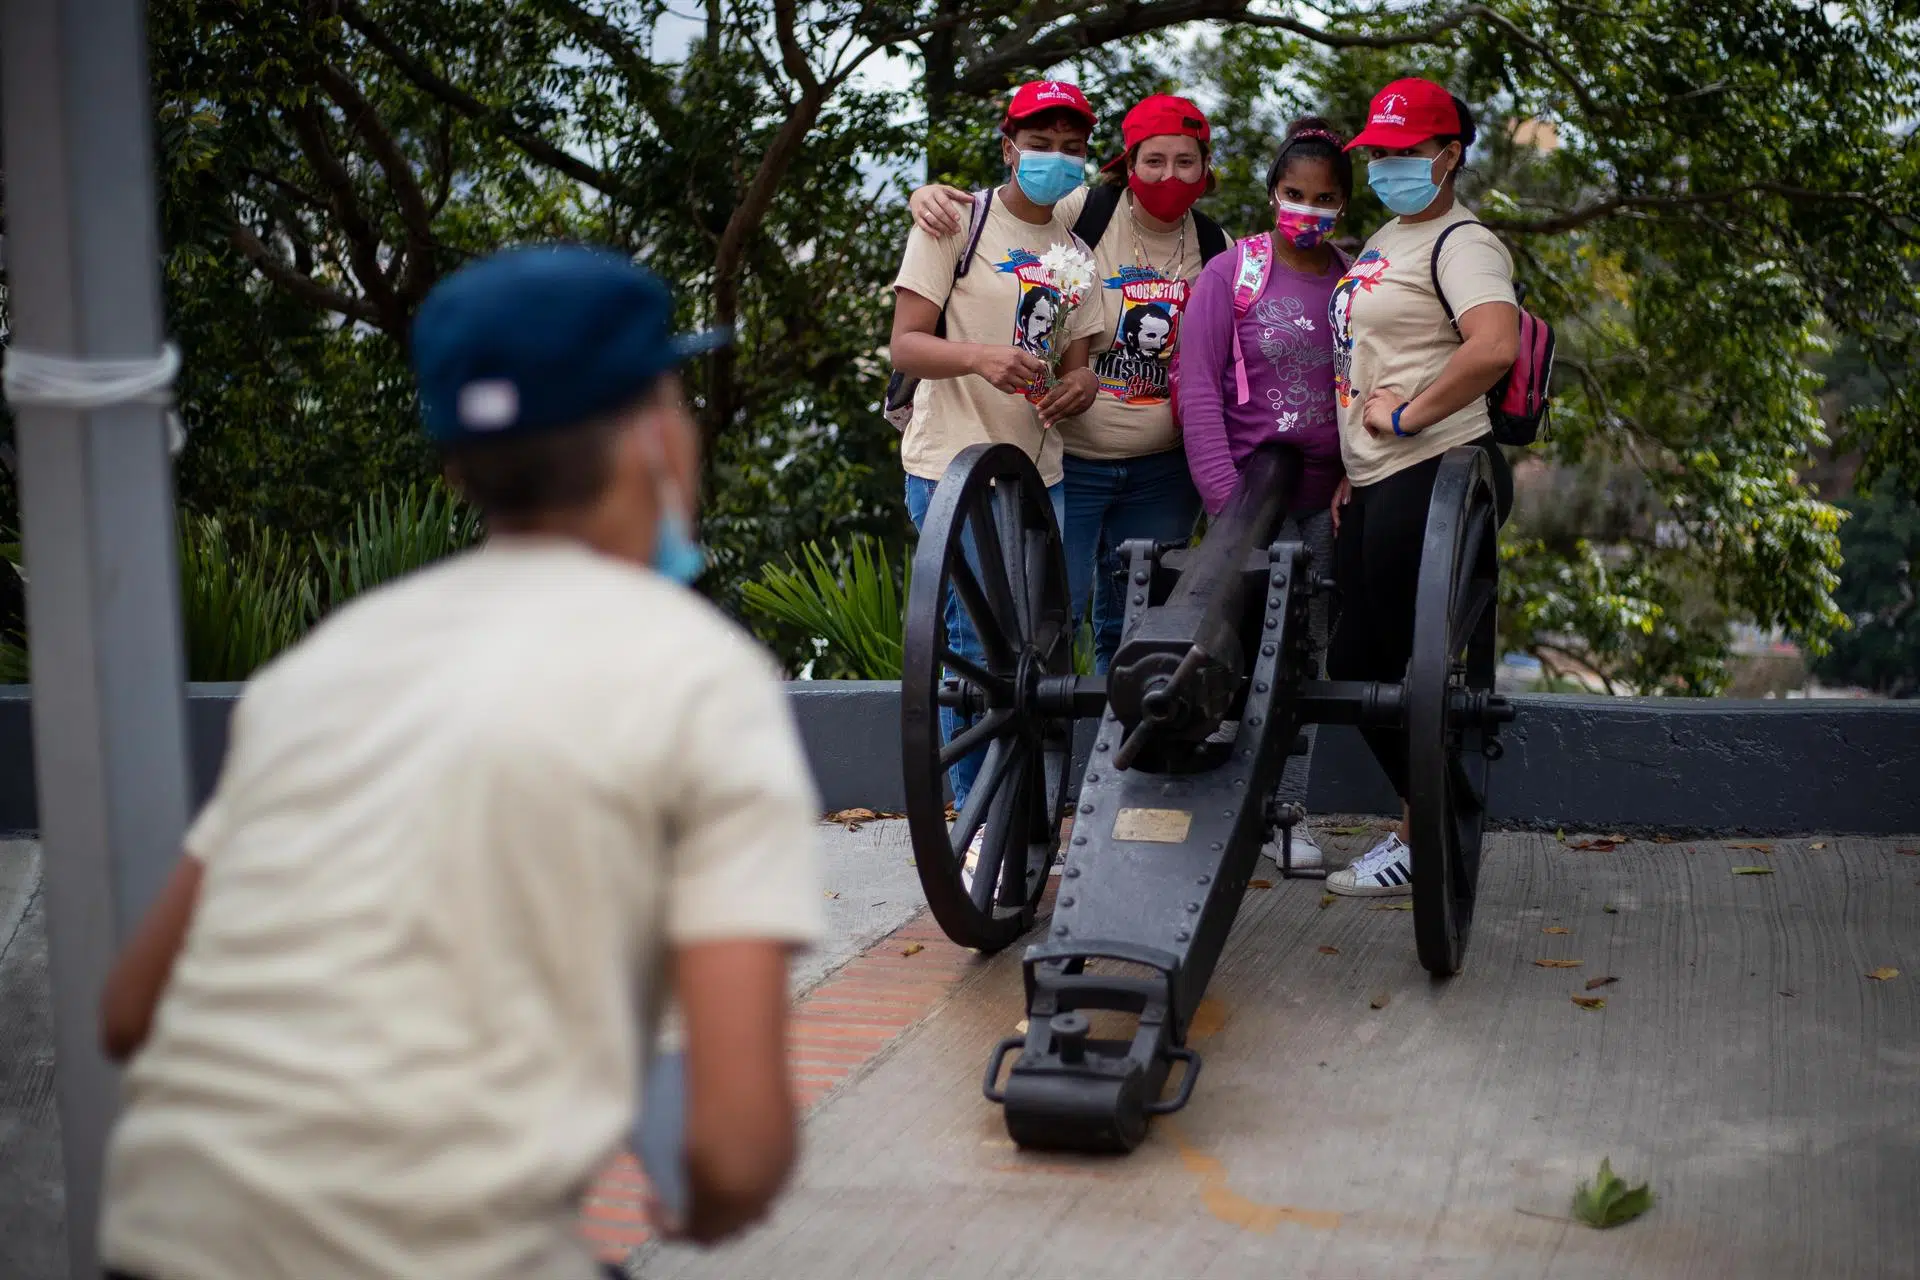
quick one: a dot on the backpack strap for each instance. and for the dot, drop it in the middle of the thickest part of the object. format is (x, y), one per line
(1249, 281)
(1096, 213)
(1212, 237)
(1433, 269)
(976, 227)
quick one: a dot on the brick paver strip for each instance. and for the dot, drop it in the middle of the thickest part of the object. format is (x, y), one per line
(838, 1029)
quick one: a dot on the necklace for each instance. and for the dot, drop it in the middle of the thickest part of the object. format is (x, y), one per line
(1172, 270)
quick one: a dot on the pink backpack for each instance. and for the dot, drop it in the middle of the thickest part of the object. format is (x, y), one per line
(1250, 271)
(1519, 403)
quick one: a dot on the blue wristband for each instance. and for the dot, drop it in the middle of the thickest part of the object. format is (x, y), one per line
(1396, 421)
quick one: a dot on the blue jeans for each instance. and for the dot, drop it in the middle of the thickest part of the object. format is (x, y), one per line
(960, 636)
(1110, 501)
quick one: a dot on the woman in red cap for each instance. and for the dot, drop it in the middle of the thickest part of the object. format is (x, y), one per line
(1126, 474)
(972, 315)
(1425, 322)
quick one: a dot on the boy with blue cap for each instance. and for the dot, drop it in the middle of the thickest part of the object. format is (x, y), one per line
(388, 1016)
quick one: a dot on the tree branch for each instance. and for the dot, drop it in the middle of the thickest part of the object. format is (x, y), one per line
(649, 85)
(498, 121)
(363, 241)
(792, 56)
(1616, 206)
(417, 273)
(1097, 27)
(301, 286)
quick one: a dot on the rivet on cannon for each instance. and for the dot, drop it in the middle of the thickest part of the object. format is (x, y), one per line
(1183, 935)
(1066, 902)
(1266, 651)
(1140, 578)
(1254, 721)
(1072, 873)
(1216, 847)
(1093, 777)
(1059, 931)
(1086, 808)
(1139, 598)
(1100, 746)
(1193, 908)
(1260, 687)
(1079, 839)
(1272, 623)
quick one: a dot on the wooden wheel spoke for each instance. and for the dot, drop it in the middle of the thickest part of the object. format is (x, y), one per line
(997, 688)
(991, 564)
(994, 638)
(994, 724)
(1463, 785)
(1476, 597)
(1002, 755)
(1016, 540)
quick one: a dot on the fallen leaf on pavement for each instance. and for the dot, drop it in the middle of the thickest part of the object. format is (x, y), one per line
(913, 949)
(1561, 835)
(1818, 844)
(833, 893)
(1021, 1026)
(1790, 994)
(852, 818)
(1597, 846)
(1611, 910)
(1666, 839)
(1348, 831)
(1259, 884)
(1594, 984)
(1559, 964)
(1884, 975)
(1329, 951)
(1555, 928)
(1608, 1202)
(1392, 906)
(1911, 853)
(1380, 1001)
(1753, 871)
(1757, 848)
(1328, 899)
(1590, 1002)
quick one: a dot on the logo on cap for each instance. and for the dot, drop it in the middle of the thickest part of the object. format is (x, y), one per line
(489, 405)
(1051, 89)
(1388, 112)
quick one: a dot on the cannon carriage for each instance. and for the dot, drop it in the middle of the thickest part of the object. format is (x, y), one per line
(1195, 721)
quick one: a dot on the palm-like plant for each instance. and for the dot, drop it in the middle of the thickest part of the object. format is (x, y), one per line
(240, 605)
(848, 602)
(391, 537)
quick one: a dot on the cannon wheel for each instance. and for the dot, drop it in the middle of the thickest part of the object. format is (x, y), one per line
(1453, 653)
(990, 538)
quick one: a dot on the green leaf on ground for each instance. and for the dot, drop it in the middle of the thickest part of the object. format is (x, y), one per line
(1607, 1201)
(1753, 871)
(1610, 909)
(1327, 900)
(1348, 831)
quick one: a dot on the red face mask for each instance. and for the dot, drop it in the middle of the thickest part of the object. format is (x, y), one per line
(1168, 199)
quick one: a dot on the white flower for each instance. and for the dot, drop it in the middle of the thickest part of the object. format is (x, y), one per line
(1286, 423)
(1069, 271)
(1304, 323)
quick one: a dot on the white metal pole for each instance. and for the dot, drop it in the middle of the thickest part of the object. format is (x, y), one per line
(96, 496)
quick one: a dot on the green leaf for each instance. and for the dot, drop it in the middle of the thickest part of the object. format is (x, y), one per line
(1607, 1201)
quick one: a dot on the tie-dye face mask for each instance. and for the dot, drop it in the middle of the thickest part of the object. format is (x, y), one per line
(1304, 225)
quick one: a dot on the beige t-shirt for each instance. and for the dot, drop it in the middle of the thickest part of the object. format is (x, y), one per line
(997, 302)
(1144, 279)
(456, 833)
(1390, 330)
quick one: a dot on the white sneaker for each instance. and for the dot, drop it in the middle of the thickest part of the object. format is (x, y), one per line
(1306, 853)
(1385, 872)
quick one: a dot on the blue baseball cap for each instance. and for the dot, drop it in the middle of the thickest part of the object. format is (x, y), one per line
(543, 336)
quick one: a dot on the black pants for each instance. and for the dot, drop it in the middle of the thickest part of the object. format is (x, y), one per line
(1376, 561)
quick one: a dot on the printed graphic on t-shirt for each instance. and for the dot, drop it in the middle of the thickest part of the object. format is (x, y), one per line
(1363, 274)
(1294, 345)
(1134, 366)
(1036, 318)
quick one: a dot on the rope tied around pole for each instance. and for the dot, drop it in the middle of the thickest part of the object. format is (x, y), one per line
(42, 380)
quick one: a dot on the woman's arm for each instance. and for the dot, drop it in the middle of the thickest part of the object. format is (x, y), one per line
(1490, 339)
(139, 976)
(1206, 354)
(940, 210)
(918, 352)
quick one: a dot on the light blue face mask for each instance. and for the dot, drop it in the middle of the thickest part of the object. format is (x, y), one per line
(1048, 177)
(1404, 183)
(675, 554)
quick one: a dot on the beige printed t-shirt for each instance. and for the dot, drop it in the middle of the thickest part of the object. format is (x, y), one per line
(1144, 280)
(457, 832)
(998, 302)
(1391, 331)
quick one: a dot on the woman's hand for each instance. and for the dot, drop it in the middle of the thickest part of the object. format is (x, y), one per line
(940, 210)
(1341, 497)
(1378, 416)
(1070, 397)
(1009, 368)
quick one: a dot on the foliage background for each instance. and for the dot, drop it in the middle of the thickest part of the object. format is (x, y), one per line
(1724, 234)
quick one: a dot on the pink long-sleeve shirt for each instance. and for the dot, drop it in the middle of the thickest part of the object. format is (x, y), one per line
(1287, 344)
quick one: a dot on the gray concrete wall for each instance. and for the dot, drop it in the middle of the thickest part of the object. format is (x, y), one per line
(1623, 764)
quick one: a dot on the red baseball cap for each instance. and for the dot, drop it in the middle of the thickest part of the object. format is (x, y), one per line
(1038, 96)
(1159, 116)
(1408, 112)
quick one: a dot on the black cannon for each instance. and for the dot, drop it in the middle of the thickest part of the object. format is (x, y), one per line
(1197, 718)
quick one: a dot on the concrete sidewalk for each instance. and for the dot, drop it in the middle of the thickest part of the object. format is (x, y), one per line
(1744, 1062)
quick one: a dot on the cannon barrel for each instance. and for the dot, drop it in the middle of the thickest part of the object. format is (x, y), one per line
(1176, 672)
